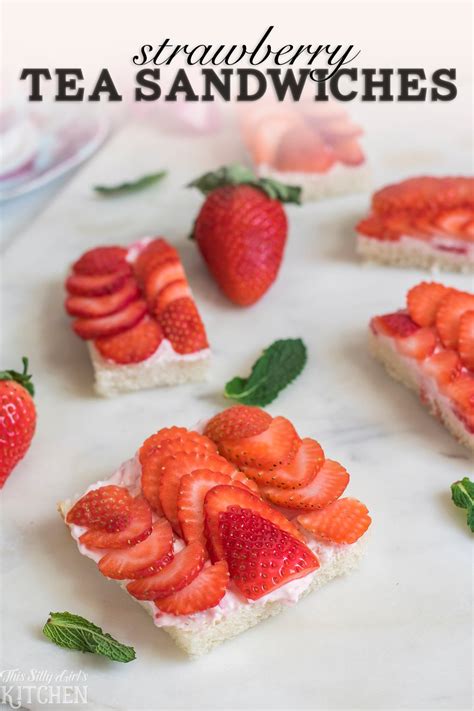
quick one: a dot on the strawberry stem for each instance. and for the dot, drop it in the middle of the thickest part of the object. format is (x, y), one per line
(23, 378)
(241, 175)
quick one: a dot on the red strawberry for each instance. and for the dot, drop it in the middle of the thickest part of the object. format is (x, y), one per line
(265, 138)
(156, 252)
(138, 528)
(101, 260)
(162, 275)
(98, 285)
(444, 367)
(177, 289)
(371, 226)
(107, 508)
(328, 485)
(339, 128)
(17, 418)
(418, 194)
(193, 488)
(132, 346)
(175, 467)
(143, 559)
(299, 472)
(419, 345)
(348, 151)
(95, 306)
(180, 572)
(466, 339)
(423, 301)
(261, 557)
(301, 150)
(448, 317)
(274, 447)
(161, 440)
(182, 326)
(220, 498)
(461, 391)
(396, 325)
(453, 221)
(343, 521)
(152, 465)
(237, 422)
(204, 592)
(241, 231)
(90, 328)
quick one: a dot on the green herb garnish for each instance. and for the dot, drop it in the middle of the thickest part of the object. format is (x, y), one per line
(462, 493)
(131, 186)
(75, 632)
(276, 368)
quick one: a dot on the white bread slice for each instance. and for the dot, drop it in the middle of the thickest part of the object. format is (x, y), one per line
(398, 367)
(410, 252)
(339, 180)
(112, 379)
(199, 640)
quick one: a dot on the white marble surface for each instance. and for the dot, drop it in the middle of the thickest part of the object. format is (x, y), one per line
(394, 635)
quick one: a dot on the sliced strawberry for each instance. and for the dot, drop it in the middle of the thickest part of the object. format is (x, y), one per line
(343, 521)
(348, 151)
(419, 345)
(261, 557)
(99, 285)
(204, 592)
(327, 486)
(162, 275)
(138, 528)
(423, 301)
(160, 441)
(274, 447)
(448, 317)
(90, 328)
(237, 422)
(106, 508)
(396, 325)
(299, 472)
(156, 252)
(340, 128)
(174, 468)
(101, 260)
(152, 465)
(180, 572)
(192, 492)
(466, 339)
(372, 226)
(177, 289)
(132, 346)
(453, 221)
(266, 137)
(182, 325)
(461, 391)
(96, 306)
(301, 150)
(220, 498)
(444, 367)
(143, 559)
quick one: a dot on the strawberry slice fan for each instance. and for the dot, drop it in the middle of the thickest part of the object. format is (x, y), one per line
(135, 309)
(421, 222)
(429, 347)
(236, 522)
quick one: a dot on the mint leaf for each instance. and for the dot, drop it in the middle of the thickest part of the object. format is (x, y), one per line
(462, 493)
(241, 175)
(75, 632)
(131, 186)
(276, 368)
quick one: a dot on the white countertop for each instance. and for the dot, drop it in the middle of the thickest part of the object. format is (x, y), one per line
(395, 634)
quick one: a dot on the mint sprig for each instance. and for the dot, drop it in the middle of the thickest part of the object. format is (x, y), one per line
(75, 632)
(462, 493)
(23, 378)
(276, 368)
(241, 175)
(130, 186)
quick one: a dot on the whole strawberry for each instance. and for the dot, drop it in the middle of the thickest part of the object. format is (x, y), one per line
(17, 418)
(241, 230)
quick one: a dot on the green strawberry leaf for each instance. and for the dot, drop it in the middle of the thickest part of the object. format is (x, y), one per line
(276, 368)
(462, 493)
(241, 175)
(75, 632)
(131, 186)
(23, 378)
